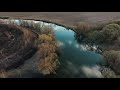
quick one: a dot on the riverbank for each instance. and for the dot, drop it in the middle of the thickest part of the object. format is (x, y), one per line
(106, 36)
(43, 61)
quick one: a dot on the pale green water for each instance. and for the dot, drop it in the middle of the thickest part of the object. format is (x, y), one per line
(75, 59)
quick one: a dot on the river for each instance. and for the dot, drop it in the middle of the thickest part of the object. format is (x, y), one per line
(77, 60)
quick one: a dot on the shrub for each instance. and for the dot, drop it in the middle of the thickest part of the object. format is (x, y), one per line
(111, 32)
(92, 35)
(113, 60)
(46, 49)
(82, 28)
(24, 23)
(97, 37)
(99, 34)
(108, 34)
(49, 64)
(30, 24)
(45, 38)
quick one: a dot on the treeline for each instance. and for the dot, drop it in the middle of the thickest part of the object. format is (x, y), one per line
(106, 36)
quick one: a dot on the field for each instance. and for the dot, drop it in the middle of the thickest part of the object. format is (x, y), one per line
(67, 18)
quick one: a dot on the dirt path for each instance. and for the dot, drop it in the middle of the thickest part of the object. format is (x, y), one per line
(66, 18)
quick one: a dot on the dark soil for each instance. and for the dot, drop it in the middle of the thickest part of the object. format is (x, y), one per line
(16, 45)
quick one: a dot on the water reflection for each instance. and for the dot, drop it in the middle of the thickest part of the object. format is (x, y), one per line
(92, 71)
(77, 59)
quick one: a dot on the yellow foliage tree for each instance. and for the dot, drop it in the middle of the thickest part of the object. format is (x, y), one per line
(45, 38)
(49, 64)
